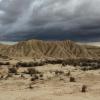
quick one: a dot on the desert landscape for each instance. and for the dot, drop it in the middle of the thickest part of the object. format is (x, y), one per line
(49, 50)
(49, 70)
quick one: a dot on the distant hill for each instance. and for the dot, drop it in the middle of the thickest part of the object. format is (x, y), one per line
(97, 44)
(8, 42)
(39, 48)
(93, 47)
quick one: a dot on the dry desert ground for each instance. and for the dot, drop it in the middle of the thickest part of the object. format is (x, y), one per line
(53, 83)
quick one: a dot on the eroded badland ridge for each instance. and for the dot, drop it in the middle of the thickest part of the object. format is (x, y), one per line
(56, 49)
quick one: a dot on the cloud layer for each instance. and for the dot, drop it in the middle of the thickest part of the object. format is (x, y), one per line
(50, 19)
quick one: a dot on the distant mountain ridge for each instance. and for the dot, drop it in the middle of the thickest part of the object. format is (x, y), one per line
(40, 48)
(90, 43)
(8, 42)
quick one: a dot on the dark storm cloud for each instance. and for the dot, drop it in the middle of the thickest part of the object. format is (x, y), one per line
(50, 19)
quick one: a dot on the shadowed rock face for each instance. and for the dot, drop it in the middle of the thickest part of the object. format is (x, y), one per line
(39, 48)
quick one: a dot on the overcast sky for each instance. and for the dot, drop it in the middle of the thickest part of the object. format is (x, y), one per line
(50, 19)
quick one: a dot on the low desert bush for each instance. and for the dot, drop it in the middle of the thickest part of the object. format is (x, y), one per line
(1, 77)
(25, 64)
(32, 71)
(41, 75)
(34, 78)
(68, 73)
(84, 88)
(54, 61)
(4, 63)
(57, 72)
(30, 86)
(63, 64)
(72, 79)
(12, 70)
(84, 68)
(30, 64)
(22, 76)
